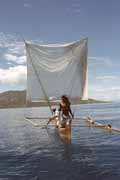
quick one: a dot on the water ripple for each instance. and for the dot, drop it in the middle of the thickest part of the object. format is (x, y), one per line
(29, 153)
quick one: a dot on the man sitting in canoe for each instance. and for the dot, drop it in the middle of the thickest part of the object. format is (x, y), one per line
(55, 116)
(65, 110)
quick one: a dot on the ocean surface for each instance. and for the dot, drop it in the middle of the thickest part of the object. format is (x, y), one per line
(33, 153)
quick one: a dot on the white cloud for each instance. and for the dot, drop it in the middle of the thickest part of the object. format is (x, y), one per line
(13, 75)
(74, 8)
(27, 5)
(15, 59)
(105, 87)
(10, 64)
(77, 11)
(102, 92)
(38, 41)
(22, 60)
(18, 48)
(14, 50)
(7, 40)
(100, 61)
(10, 57)
(106, 77)
(76, 4)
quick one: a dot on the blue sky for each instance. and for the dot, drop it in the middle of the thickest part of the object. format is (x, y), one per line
(58, 21)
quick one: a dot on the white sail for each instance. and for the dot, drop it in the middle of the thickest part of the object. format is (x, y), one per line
(57, 69)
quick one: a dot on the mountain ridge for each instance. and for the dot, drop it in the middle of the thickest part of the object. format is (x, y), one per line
(16, 99)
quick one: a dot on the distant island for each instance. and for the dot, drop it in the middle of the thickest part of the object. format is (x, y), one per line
(15, 99)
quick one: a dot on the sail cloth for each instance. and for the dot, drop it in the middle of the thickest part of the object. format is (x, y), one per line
(55, 70)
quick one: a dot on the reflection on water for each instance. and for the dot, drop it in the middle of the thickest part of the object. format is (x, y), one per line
(33, 153)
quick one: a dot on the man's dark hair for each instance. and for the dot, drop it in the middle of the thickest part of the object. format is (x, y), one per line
(54, 109)
(66, 100)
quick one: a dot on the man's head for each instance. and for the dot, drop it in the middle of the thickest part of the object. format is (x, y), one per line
(54, 109)
(65, 99)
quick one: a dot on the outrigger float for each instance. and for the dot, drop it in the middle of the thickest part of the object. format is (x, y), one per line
(92, 123)
(67, 130)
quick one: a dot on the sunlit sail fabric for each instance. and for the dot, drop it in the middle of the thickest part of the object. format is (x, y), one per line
(57, 69)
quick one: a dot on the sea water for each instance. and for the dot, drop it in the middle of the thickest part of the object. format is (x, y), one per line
(33, 153)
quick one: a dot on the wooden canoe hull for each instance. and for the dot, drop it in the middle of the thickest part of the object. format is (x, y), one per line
(64, 132)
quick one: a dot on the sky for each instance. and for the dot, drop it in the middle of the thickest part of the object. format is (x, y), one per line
(59, 21)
